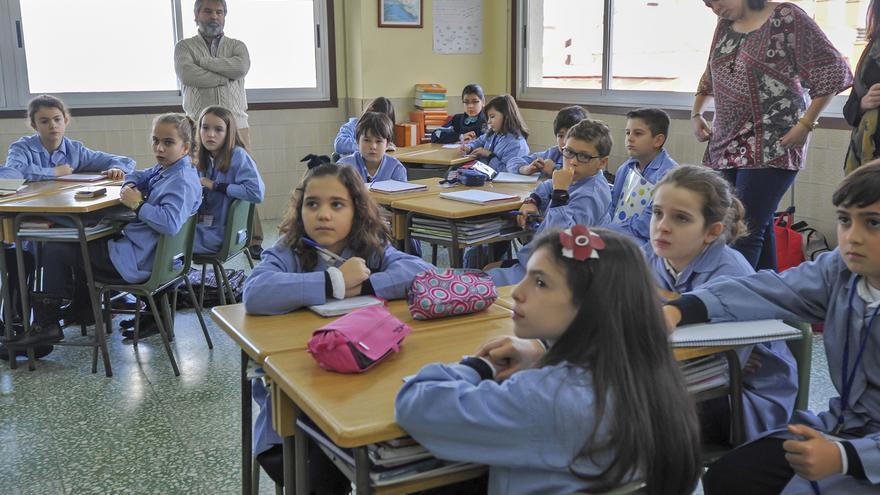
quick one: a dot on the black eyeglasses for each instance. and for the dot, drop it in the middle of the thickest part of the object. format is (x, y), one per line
(581, 157)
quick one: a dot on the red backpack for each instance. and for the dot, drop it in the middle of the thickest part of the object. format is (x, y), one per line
(789, 242)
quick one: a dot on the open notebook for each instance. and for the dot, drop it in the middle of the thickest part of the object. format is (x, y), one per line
(479, 197)
(509, 178)
(11, 186)
(81, 177)
(338, 307)
(733, 333)
(396, 186)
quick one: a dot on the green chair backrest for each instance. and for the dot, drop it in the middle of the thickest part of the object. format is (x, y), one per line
(803, 354)
(170, 250)
(238, 234)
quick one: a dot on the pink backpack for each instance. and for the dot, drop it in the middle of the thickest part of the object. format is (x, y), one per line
(358, 341)
(450, 292)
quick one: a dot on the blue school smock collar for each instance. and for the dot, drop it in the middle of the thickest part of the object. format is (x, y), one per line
(584, 181)
(658, 162)
(34, 143)
(175, 167)
(706, 261)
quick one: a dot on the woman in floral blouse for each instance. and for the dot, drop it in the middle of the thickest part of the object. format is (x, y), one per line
(763, 56)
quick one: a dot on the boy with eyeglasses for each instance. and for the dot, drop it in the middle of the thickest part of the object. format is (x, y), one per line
(577, 193)
(545, 162)
(646, 131)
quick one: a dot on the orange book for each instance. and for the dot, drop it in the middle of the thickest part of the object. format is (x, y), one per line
(430, 88)
(406, 134)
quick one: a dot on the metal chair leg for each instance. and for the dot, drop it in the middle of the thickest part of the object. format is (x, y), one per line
(162, 331)
(218, 280)
(226, 285)
(202, 291)
(198, 308)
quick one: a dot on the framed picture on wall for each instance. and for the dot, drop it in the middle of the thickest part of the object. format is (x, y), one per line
(400, 13)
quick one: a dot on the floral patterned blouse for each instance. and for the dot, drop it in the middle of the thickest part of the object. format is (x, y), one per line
(758, 80)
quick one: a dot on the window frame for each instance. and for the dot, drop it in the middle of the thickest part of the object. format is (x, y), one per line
(603, 100)
(14, 94)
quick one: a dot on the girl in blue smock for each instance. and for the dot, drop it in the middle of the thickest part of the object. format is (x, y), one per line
(374, 131)
(162, 198)
(838, 450)
(227, 172)
(694, 217)
(605, 405)
(505, 141)
(346, 139)
(48, 154)
(332, 209)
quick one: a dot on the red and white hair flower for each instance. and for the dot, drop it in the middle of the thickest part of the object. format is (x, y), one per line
(580, 243)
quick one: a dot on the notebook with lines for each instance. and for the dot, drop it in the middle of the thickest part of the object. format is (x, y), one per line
(732, 333)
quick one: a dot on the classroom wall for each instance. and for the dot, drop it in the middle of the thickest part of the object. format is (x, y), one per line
(813, 187)
(389, 61)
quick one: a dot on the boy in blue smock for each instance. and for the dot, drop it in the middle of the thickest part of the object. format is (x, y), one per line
(162, 198)
(346, 139)
(838, 450)
(634, 182)
(577, 194)
(374, 132)
(545, 162)
(49, 154)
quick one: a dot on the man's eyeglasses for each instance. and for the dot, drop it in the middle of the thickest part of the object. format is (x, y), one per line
(581, 157)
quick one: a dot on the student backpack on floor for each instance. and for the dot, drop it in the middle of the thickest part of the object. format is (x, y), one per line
(212, 298)
(789, 242)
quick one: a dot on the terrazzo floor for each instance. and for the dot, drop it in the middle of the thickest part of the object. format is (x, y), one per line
(64, 430)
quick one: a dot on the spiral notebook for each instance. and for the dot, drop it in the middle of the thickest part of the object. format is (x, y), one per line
(733, 333)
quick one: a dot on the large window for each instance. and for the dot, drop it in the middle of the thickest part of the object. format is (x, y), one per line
(121, 52)
(633, 52)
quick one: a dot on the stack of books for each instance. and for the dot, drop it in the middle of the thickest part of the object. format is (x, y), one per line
(393, 462)
(44, 230)
(469, 231)
(705, 373)
(431, 105)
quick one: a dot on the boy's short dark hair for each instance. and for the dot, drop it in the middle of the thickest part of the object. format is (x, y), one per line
(377, 124)
(594, 132)
(860, 188)
(657, 120)
(568, 117)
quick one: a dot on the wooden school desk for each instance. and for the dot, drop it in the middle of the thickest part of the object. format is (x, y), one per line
(56, 198)
(262, 336)
(431, 154)
(452, 211)
(356, 410)
(398, 218)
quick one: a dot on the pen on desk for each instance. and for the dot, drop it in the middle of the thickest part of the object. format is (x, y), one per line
(330, 254)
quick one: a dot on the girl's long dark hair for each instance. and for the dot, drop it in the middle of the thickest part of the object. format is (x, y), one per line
(513, 119)
(872, 21)
(369, 233)
(233, 138)
(619, 336)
